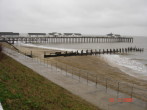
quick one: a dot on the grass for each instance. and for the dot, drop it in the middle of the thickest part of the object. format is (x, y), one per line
(23, 89)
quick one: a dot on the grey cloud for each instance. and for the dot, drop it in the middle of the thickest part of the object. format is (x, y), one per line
(86, 16)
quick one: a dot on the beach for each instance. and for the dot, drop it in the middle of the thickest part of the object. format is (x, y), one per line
(94, 64)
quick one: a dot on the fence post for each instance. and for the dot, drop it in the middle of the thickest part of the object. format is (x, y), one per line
(96, 81)
(118, 90)
(87, 78)
(31, 54)
(60, 69)
(36, 60)
(79, 75)
(56, 66)
(132, 91)
(25, 55)
(51, 65)
(39, 60)
(106, 84)
(32, 59)
(72, 72)
(44, 61)
(66, 70)
(47, 63)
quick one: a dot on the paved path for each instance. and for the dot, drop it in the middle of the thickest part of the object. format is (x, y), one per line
(1, 108)
(98, 96)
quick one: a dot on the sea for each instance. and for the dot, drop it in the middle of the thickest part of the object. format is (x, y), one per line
(133, 63)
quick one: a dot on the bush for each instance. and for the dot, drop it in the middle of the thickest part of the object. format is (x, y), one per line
(1, 54)
(0, 48)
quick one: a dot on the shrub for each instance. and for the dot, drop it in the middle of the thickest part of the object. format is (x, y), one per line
(1, 55)
(0, 48)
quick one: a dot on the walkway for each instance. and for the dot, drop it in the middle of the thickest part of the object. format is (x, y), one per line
(1, 108)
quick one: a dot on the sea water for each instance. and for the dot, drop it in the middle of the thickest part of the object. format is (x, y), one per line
(135, 61)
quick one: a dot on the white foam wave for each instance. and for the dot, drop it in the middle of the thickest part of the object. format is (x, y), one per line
(46, 47)
(126, 62)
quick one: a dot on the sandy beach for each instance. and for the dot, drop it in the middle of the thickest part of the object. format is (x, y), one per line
(95, 64)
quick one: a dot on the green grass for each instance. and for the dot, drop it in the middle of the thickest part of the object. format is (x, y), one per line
(23, 89)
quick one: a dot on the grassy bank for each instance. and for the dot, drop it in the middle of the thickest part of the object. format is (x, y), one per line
(23, 89)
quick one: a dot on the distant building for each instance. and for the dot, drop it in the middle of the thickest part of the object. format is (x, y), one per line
(55, 34)
(117, 35)
(113, 35)
(77, 34)
(37, 34)
(68, 34)
(72, 34)
(9, 34)
(110, 35)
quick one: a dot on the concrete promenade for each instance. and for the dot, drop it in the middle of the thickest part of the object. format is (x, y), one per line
(1, 108)
(87, 90)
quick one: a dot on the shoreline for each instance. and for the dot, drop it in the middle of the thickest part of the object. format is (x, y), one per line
(43, 47)
(123, 68)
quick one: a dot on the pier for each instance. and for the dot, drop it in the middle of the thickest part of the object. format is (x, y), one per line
(62, 38)
(53, 40)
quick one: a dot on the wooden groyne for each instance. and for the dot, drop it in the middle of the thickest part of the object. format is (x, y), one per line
(82, 39)
(94, 52)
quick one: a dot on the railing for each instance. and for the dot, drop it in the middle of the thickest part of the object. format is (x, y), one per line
(132, 90)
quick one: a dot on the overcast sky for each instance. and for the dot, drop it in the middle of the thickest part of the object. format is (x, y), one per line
(126, 17)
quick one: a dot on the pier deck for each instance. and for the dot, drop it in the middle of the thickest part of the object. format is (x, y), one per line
(82, 39)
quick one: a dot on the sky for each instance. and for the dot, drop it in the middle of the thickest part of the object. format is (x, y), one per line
(125, 17)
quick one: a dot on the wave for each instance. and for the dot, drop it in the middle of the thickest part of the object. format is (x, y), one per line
(127, 62)
(45, 47)
(138, 59)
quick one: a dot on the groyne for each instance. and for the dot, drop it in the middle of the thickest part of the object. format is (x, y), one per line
(93, 52)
